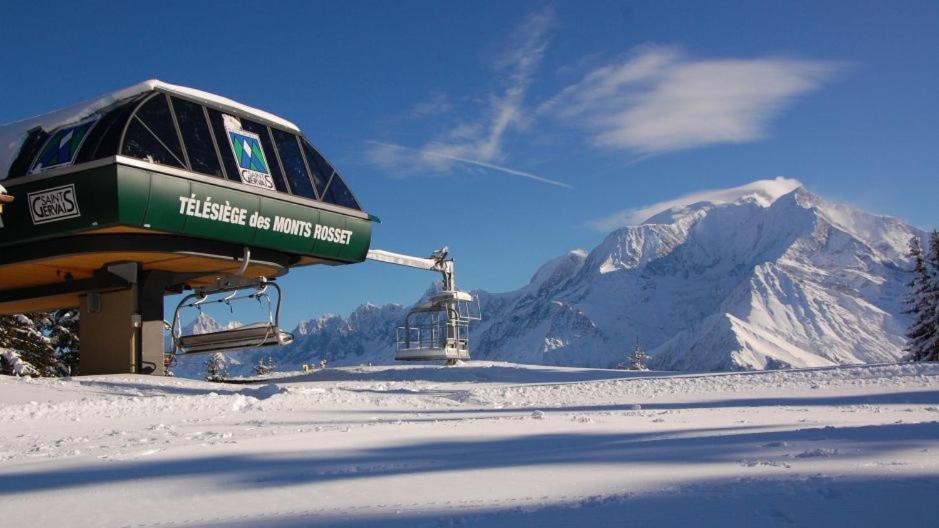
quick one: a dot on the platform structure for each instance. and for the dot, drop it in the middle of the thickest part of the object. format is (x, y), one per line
(157, 189)
(437, 327)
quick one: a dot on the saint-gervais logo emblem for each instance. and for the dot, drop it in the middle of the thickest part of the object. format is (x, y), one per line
(249, 154)
(52, 205)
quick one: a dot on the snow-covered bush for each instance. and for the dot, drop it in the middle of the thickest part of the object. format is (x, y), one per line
(12, 364)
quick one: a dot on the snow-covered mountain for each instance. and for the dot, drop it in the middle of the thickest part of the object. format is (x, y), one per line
(767, 275)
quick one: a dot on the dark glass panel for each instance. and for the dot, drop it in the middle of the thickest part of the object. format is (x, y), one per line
(103, 139)
(141, 143)
(155, 113)
(338, 193)
(269, 154)
(295, 170)
(320, 168)
(224, 145)
(196, 137)
(62, 146)
(34, 141)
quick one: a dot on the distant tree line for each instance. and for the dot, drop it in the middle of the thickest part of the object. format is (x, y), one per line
(922, 301)
(39, 343)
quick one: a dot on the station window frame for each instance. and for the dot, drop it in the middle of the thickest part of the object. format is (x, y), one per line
(134, 116)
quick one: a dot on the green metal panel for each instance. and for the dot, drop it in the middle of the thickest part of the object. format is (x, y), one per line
(134, 185)
(162, 193)
(60, 206)
(130, 196)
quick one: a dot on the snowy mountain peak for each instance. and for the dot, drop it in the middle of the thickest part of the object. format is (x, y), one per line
(760, 192)
(559, 269)
(765, 275)
(204, 323)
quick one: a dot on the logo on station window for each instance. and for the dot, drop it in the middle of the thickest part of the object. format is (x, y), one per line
(52, 205)
(249, 155)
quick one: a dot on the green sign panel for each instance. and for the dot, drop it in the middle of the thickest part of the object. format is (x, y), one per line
(130, 196)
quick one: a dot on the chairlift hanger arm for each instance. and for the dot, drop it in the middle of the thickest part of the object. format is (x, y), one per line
(438, 261)
(380, 255)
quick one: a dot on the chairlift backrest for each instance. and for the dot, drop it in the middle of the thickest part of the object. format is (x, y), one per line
(255, 335)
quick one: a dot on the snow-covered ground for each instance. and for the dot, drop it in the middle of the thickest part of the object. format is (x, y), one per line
(491, 444)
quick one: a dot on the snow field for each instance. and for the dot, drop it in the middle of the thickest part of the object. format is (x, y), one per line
(483, 444)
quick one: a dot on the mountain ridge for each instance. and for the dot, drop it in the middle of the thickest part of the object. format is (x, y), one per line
(755, 279)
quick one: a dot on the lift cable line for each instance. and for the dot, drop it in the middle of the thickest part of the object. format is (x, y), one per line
(438, 327)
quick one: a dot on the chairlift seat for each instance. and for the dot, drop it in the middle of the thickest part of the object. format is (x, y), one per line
(450, 296)
(248, 336)
(432, 354)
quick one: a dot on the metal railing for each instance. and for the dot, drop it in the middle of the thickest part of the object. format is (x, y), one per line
(433, 335)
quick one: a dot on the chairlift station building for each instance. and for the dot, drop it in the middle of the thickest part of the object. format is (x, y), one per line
(152, 189)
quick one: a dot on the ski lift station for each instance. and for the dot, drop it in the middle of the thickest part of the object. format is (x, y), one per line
(159, 189)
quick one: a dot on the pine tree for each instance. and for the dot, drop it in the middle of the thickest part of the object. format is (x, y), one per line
(12, 364)
(215, 367)
(63, 332)
(932, 320)
(48, 342)
(24, 334)
(263, 367)
(922, 302)
(639, 358)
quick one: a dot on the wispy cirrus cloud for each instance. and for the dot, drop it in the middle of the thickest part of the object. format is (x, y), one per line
(395, 154)
(438, 104)
(479, 142)
(656, 99)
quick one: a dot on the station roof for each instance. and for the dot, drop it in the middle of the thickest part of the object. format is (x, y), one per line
(178, 127)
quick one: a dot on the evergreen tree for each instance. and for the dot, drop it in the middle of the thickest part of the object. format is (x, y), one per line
(24, 334)
(48, 342)
(263, 367)
(639, 358)
(932, 321)
(63, 332)
(12, 364)
(215, 367)
(922, 303)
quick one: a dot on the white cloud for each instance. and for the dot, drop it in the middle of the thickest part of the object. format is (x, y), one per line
(479, 141)
(657, 100)
(392, 153)
(438, 104)
(764, 192)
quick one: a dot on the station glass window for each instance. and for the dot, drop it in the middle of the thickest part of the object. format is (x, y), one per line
(289, 149)
(104, 139)
(196, 137)
(338, 193)
(221, 137)
(151, 134)
(34, 141)
(60, 149)
(268, 147)
(318, 166)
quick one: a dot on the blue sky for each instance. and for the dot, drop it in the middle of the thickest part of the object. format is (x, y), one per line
(515, 131)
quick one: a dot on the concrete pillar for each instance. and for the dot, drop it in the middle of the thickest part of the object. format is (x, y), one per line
(121, 331)
(107, 332)
(152, 287)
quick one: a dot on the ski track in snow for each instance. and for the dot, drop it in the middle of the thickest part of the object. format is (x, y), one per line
(482, 444)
